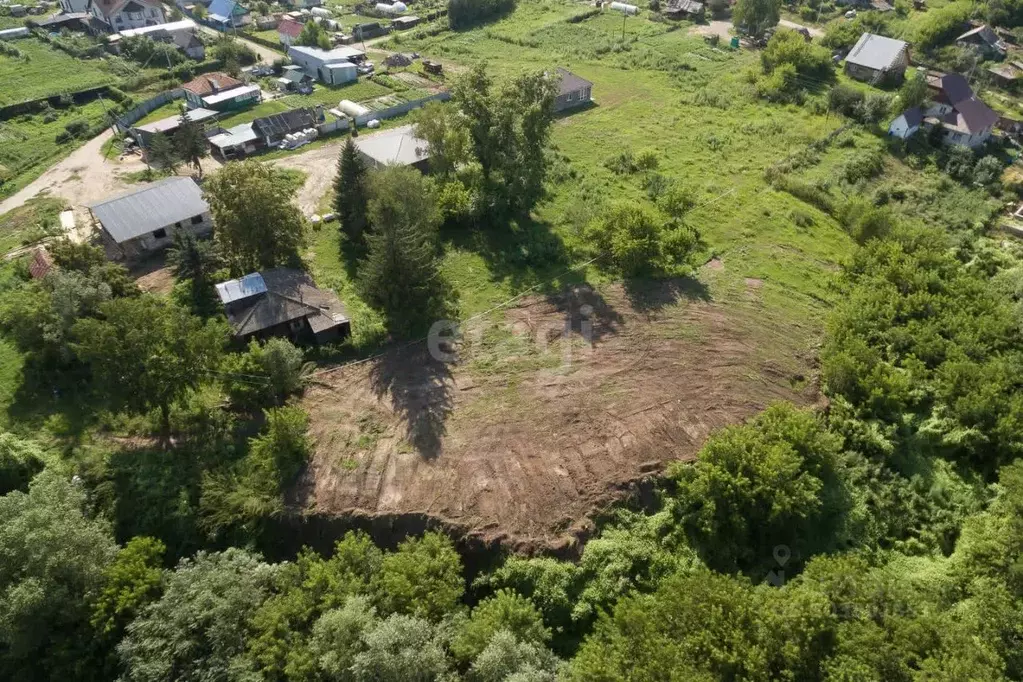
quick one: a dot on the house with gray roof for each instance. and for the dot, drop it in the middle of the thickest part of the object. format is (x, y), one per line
(963, 118)
(397, 146)
(954, 108)
(573, 91)
(144, 220)
(876, 59)
(333, 67)
(282, 302)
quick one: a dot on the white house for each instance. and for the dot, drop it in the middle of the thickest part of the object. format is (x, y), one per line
(333, 67)
(962, 118)
(120, 15)
(182, 33)
(906, 125)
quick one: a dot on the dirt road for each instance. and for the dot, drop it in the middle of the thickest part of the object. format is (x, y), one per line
(83, 177)
(319, 164)
(814, 32)
(719, 28)
(724, 28)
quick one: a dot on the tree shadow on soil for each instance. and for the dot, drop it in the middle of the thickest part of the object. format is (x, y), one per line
(420, 387)
(650, 296)
(587, 312)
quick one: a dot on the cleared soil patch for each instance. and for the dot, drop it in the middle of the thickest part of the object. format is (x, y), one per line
(529, 432)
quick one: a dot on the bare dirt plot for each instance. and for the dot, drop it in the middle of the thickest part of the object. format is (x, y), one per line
(527, 434)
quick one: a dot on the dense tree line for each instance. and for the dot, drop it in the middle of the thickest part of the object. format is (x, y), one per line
(467, 13)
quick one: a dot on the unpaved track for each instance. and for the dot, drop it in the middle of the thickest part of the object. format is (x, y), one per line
(510, 443)
(320, 165)
(814, 32)
(81, 178)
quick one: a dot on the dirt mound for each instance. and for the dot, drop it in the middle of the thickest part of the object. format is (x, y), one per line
(550, 410)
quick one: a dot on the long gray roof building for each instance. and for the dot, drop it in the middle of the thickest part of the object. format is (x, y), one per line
(876, 52)
(150, 208)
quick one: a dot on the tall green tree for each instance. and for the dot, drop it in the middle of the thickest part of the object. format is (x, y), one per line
(754, 17)
(52, 563)
(760, 486)
(132, 580)
(258, 225)
(914, 92)
(162, 154)
(313, 35)
(508, 128)
(194, 261)
(400, 275)
(190, 143)
(147, 354)
(196, 631)
(351, 192)
(423, 578)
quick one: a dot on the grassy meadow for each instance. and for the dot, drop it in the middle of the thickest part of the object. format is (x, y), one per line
(43, 70)
(666, 92)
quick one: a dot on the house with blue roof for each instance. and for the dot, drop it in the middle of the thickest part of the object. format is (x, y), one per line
(226, 14)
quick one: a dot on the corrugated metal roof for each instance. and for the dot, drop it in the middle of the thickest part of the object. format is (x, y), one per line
(240, 134)
(233, 93)
(286, 122)
(876, 52)
(398, 146)
(338, 54)
(172, 122)
(142, 211)
(243, 287)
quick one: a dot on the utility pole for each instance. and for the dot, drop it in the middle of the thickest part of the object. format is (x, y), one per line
(624, 17)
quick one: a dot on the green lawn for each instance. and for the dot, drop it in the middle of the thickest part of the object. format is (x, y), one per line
(46, 71)
(329, 97)
(668, 92)
(166, 111)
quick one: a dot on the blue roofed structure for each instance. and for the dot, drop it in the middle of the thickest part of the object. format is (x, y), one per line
(228, 14)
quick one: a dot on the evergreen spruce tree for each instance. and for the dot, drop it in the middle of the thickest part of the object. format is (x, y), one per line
(190, 143)
(400, 275)
(161, 153)
(350, 193)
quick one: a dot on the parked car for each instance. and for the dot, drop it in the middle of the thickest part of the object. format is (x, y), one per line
(365, 68)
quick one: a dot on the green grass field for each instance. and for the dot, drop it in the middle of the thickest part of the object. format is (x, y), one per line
(666, 91)
(46, 71)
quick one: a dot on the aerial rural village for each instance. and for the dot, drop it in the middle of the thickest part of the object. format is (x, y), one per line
(511, 340)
